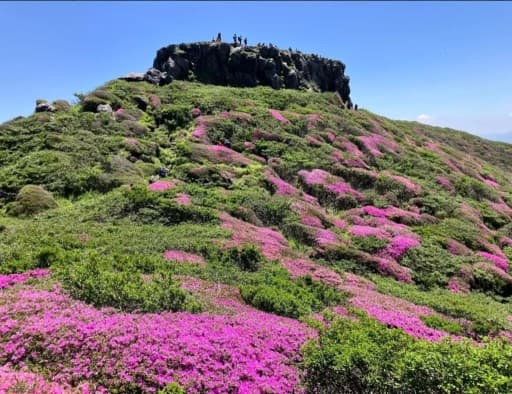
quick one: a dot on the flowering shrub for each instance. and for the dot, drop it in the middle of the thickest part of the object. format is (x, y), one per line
(311, 221)
(220, 154)
(409, 185)
(9, 280)
(200, 130)
(277, 115)
(282, 187)
(444, 182)
(13, 381)
(329, 182)
(250, 352)
(456, 248)
(500, 262)
(457, 286)
(183, 199)
(313, 120)
(400, 245)
(159, 186)
(314, 177)
(490, 182)
(196, 112)
(373, 142)
(326, 238)
(182, 257)
(303, 267)
(488, 277)
(366, 231)
(271, 242)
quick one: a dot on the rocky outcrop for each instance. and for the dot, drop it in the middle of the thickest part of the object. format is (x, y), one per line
(225, 64)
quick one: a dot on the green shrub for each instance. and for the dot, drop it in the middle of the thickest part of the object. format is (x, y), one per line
(431, 264)
(173, 116)
(366, 357)
(247, 258)
(369, 244)
(151, 207)
(384, 184)
(95, 279)
(292, 298)
(31, 200)
(460, 230)
(172, 388)
(472, 188)
(441, 323)
(489, 281)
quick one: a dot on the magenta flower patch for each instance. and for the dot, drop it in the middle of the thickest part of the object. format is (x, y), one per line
(498, 261)
(314, 177)
(251, 352)
(12, 279)
(400, 245)
(367, 231)
(312, 221)
(444, 182)
(159, 186)
(374, 142)
(183, 199)
(491, 183)
(326, 238)
(200, 130)
(277, 115)
(183, 257)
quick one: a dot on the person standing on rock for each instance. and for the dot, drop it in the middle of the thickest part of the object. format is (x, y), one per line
(219, 37)
(234, 39)
(245, 41)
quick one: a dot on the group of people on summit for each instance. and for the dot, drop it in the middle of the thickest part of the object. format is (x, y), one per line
(237, 40)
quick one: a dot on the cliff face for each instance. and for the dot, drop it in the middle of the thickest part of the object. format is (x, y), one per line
(226, 64)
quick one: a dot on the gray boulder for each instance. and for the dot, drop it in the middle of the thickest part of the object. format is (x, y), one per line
(43, 106)
(133, 77)
(104, 108)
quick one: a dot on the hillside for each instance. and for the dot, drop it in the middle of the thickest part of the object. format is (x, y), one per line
(288, 244)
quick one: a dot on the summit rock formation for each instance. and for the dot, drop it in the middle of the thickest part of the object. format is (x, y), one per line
(227, 64)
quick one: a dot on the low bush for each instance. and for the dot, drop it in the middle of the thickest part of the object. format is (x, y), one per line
(30, 200)
(366, 357)
(369, 244)
(440, 323)
(100, 281)
(474, 189)
(276, 293)
(247, 258)
(147, 206)
(431, 264)
(173, 116)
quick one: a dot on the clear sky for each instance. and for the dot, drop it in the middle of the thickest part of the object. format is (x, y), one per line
(444, 63)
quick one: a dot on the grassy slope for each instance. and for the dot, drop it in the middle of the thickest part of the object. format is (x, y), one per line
(451, 193)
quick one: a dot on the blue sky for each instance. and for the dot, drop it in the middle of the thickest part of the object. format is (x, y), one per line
(443, 63)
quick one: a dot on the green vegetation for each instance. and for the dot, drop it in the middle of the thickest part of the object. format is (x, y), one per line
(387, 199)
(488, 316)
(367, 357)
(276, 293)
(118, 281)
